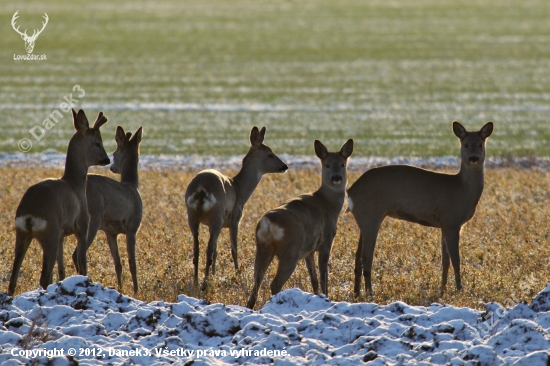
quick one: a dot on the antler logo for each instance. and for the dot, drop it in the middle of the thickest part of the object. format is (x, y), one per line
(29, 40)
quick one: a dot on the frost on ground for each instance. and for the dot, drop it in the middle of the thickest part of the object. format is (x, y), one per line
(53, 159)
(102, 326)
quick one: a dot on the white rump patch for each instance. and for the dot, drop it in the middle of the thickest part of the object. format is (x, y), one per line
(350, 204)
(36, 223)
(269, 230)
(209, 200)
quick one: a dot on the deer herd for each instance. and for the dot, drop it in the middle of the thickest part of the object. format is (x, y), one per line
(82, 204)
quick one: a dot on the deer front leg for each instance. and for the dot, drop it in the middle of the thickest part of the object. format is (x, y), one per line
(310, 263)
(358, 268)
(93, 228)
(233, 235)
(452, 237)
(445, 262)
(81, 236)
(131, 248)
(60, 262)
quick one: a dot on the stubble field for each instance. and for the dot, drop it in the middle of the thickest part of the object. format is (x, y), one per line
(504, 249)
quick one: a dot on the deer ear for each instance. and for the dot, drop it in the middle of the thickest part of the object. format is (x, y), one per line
(120, 136)
(262, 134)
(100, 121)
(347, 149)
(255, 139)
(136, 139)
(80, 121)
(320, 149)
(486, 130)
(459, 130)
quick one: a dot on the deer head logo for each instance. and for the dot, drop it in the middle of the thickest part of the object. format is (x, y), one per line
(29, 40)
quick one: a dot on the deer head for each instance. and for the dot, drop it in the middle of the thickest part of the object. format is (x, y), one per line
(29, 40)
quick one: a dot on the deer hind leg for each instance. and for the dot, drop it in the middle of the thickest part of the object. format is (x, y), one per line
(211, 251)
(452, 237)
(93, 228)
(264, 257)
(50, 248)
(369, 233)
(22, 242)
(194, 227)
(310, 263)
(60, 262)
(113, 247)
(358, 268)
(286, 267)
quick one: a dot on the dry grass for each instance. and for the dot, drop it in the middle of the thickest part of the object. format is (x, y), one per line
(505, 242)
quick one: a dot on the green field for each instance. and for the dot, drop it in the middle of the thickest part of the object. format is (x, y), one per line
(390, 74)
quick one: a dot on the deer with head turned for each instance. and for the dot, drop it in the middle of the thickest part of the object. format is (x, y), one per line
(217, 201)
(303, 226)
(55, 208)
(115, 207)
(445, 201)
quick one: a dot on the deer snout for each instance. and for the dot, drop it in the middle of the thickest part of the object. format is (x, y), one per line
(336, 179)
(105, 161)
(284, 168)
(474, 159)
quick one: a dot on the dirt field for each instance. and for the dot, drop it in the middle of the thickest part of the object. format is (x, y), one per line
(504, 248)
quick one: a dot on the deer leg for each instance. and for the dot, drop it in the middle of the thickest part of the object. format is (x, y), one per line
(131, 248)
(233, 233)
(369, 233)
(452, 237)
(358, 268)
(81, 236)
(93, 228)
(60, 262)
(194, 227)
(264, 257)
(50, 248)
(22, 242)
(310, 263)
(215, 229)
(324, 255)
(286, 267)
(113, 247)
(445, 260)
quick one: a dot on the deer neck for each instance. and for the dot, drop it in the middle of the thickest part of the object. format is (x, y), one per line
(335, 197)
(472, 179)
(76, 168)
(129, 172)
(246, 180)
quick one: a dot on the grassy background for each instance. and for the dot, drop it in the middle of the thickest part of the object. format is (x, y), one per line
(504, 248)
(198, 74)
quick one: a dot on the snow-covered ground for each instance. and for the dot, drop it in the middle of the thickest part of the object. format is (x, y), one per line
(53, 159)
(99, 325)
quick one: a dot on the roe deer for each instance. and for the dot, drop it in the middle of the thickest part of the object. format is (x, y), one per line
(116, 208)
(217, 201)
(303, 226)
(55, 208)
(421, 196)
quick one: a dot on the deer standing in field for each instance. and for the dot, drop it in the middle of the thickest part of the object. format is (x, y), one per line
(55, 208)
(303, 226)
(115, 207)
(217, 201)
(421, 196)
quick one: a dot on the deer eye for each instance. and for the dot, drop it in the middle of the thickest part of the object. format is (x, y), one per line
(343, 165)
(271, 156)
(327, 166)
(466, 145)
(97, 144)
